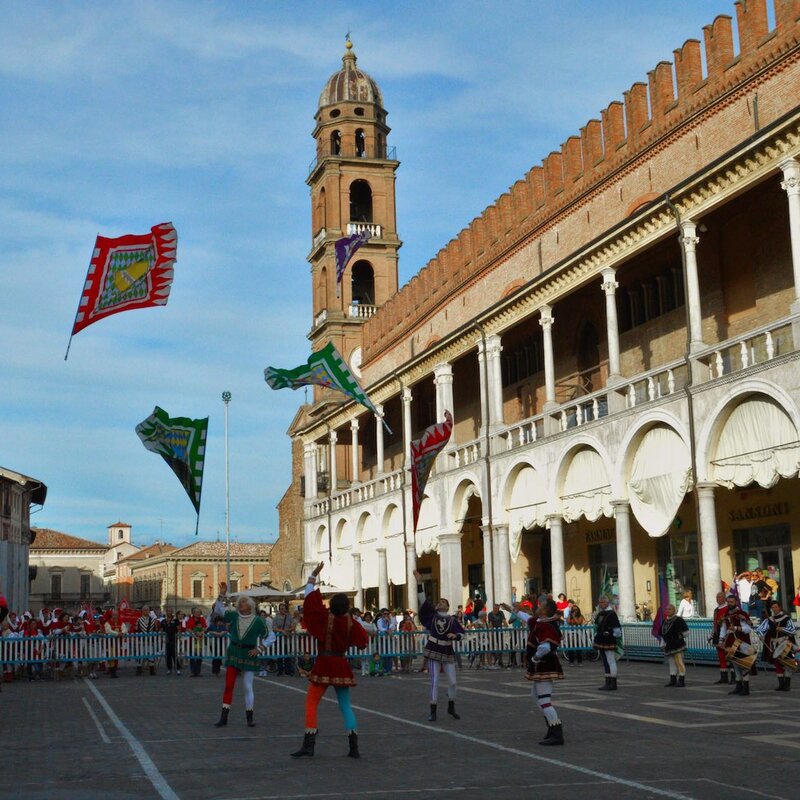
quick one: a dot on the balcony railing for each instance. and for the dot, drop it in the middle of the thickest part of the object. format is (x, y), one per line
(361, 311)
(661, 382)
(370, 154)
(360, 227)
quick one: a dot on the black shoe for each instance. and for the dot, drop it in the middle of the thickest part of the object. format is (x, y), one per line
(352, 738)
(112, 673)
(781, 682)
(681, 681)
(673, 681)
(723, 677)
(249, 714)
(223, 718)
(746, 687)
(152, 670)
(555, 736)
(432, 716)
(309, 739)
(451, 709)
(613, 684)
(138, 670)
(606, 687)
(787, 684)
(738, 689)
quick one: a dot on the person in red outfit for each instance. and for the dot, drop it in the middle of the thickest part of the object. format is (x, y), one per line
(335, 630)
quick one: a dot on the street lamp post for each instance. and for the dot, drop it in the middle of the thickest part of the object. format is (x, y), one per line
(226, 398)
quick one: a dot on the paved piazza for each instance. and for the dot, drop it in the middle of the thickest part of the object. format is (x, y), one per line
(153, 737)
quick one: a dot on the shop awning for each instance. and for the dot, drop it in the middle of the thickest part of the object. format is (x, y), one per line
(759, 444)
(587, 490)
(526, 507)
(660, 477)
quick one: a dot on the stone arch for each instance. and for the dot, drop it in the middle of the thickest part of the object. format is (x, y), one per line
(366, 530)
(716, 419)
(427, 536)
(583, 481)
(466, 488)
(524, 502)
(391, 521)
(321, 541)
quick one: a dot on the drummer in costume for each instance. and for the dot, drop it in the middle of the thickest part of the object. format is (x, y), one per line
(672, 633)
(734, 634)
(609, 632)
(719, 612)
(543, 663)
(780, 645)
(335, 631)
(246, 628)
(443, 631)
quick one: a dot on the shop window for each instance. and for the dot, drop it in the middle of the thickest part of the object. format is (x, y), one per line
(603, 570)
(768, 549)
(679, 565)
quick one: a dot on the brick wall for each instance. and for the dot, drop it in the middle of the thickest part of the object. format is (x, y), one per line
(286, 557)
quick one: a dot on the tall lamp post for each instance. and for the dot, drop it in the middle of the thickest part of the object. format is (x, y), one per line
(226, 398)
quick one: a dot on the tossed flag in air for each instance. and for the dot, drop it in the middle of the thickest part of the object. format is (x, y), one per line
(423, 453)
(132, 271)
(327, 368)
(345, 249)
(181, 442)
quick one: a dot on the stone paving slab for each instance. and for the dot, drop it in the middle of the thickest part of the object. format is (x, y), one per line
(153, 737)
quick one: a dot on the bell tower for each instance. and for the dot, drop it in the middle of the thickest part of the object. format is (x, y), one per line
(352, 189)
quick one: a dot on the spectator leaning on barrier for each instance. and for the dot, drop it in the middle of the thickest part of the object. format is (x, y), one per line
(284, 626)
(217, 630)
(146, 625)
(496, 620)
(386, 627)
(372, 631)
(407, 628)
(196, 626)
(574, 619)
(171, 627)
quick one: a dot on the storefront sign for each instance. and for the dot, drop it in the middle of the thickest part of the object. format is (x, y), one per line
(759, 512)
(600, 535)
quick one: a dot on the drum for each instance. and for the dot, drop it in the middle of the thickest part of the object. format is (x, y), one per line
(782, 653)
(742, 654)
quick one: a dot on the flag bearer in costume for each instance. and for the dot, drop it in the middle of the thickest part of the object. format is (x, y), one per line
(443, 631)
(719, 612)
(335, 631)
(543, 663)
(673, 629)
(780, 645)
(609, 632)
(734, 635)
(246, 628)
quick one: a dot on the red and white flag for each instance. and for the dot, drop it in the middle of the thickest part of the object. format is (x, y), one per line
(423, 453)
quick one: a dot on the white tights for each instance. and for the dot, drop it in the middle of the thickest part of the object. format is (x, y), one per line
(676, 665)
(249, 697)
(543, 692)
(609, 662)
(450, 672)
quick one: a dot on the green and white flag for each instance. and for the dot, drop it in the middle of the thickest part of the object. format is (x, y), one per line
(181, 442)
(327, 368)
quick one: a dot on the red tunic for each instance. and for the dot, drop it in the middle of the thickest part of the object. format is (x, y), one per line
(334, 635)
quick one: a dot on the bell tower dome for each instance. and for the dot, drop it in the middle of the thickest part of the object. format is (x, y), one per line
(352, 189)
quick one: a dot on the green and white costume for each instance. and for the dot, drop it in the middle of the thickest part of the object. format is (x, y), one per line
(246, 633)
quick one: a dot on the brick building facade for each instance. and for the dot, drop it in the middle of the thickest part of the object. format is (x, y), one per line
(617, 337)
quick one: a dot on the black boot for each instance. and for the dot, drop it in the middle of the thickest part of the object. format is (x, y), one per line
(746, 687)
(738, 689)
(681, 681)
(353, 740)
(451, 709)
(152, 670)
(309, 739)
(138, 670)
(781, 683)
(432, 715)
(787, 683)
(673, 681)
(555, 736)
(606, 687)
(112, 673)
(249, 714)
(613, 684)
(223, 718)
(723, 677)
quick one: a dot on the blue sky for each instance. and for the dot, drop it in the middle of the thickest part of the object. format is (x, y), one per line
(117, 116)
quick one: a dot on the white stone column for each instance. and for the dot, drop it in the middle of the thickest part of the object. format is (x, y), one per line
(502, 558)
(451, 584)
(308, 472)
(443, 381)
(407, 434)
(689, 242)
(546, 321)
(488, 563)
(495, 376)
(559, 575)
(610, 287)
(383, 578)
(314, 459)
(482, 378)
(627, 589)
(357, 582)
(791, 185)
(354, 459)
(332, 461)
(379, 457)
(412, 601)
(709, 545)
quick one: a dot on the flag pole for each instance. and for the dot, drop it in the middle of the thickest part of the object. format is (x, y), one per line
(78, 309)
(226, 398)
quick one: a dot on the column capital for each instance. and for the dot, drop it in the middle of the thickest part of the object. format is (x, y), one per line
(689, 237)
(554, 518)
(486, 530)
(609, 284)
(380, 550)
(443, 374)
(379, 409)
(333, 437)
(494, 343)
(791, 176)
(623, 505)
(451, 537)
(546, 316)
(354, 424)
(706, 487)
(411, 546)
(356, 556)
(406, 396)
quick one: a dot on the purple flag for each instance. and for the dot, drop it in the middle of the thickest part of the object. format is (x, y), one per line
(345, 248)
